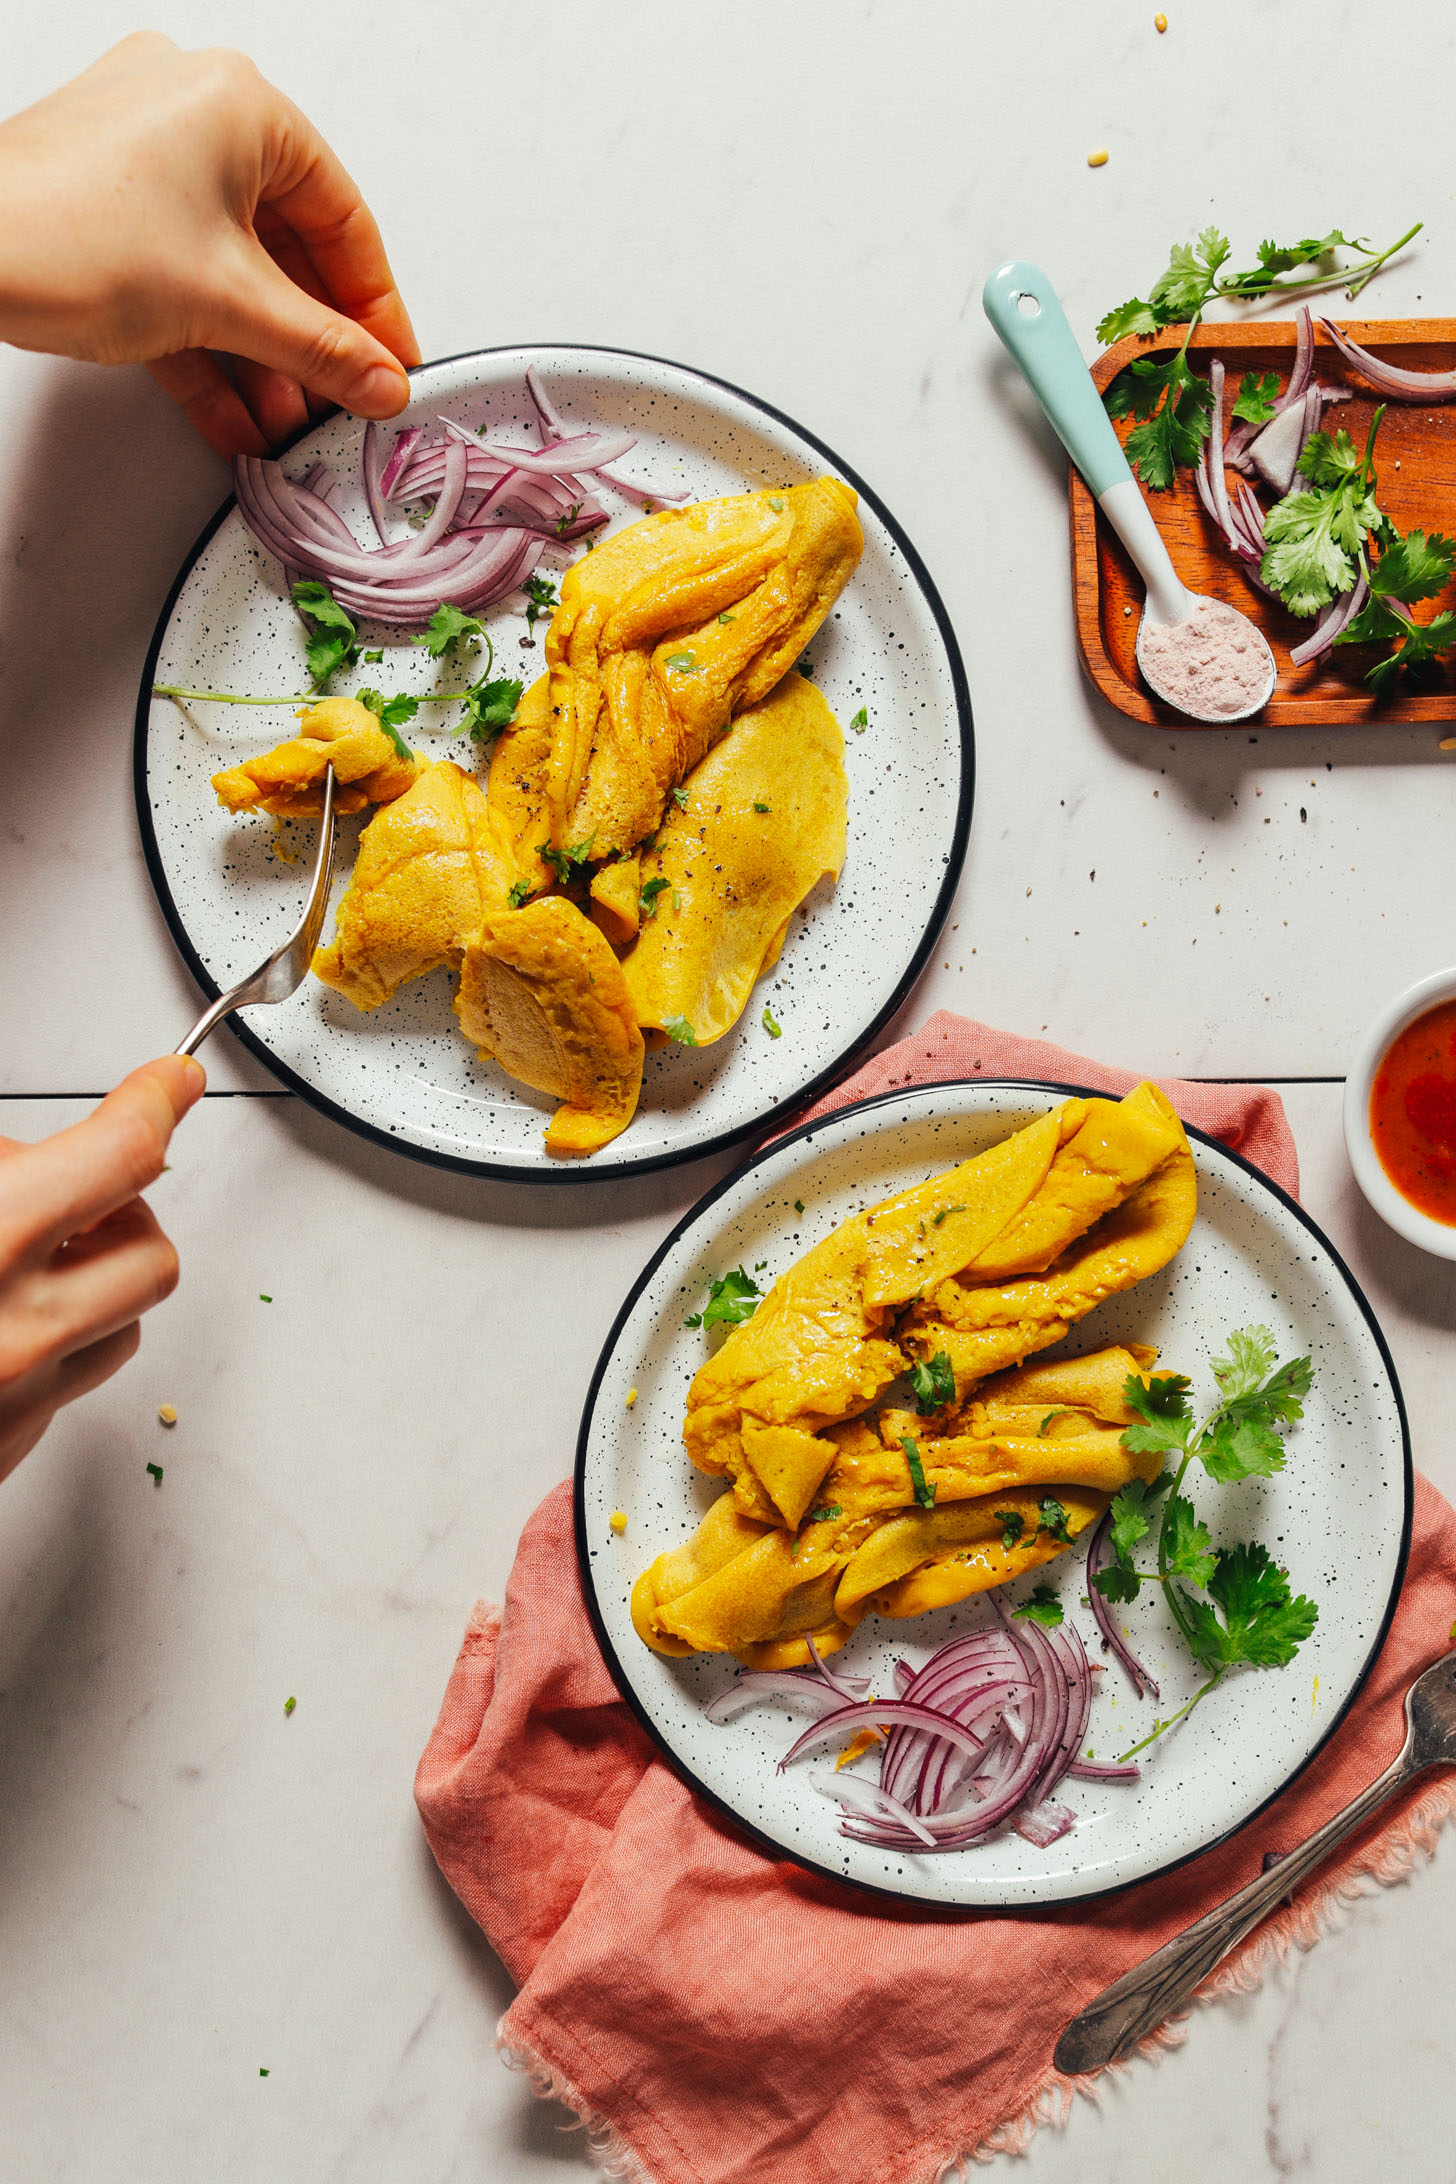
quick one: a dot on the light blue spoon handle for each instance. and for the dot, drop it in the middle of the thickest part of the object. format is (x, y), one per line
(1045, 347)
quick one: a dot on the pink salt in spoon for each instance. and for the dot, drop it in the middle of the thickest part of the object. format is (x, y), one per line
(1197, 654)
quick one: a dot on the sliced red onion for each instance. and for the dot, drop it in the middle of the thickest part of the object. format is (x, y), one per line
(1276, 452)
(1215, 450)
(835, 1683)
(1098, 1558)
(1044, 1823)
(553, 430)
(879, 1711)
(1336, 616)
(373, 467)
(1392, 379)
(851, 1789)
(1243, 434)
(1109, 1770)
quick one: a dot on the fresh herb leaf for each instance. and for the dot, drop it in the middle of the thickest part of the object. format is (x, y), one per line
(1012, 1524)
(924, 1491)
(155, 1473)
(798, 1205)
(490, 707)
(732, 1299)
(1043, 1607)
(1186, 1546)
(678, 1027)
(1054, 1520)
(860, 721)
(686, 663)
(1119, 1581)
(1264, 1624)
(944, 1214)
(333, 640)
(933, 1383)
(540, 598)
(519, 894)
(771, 1023)
(1060, 1412)
(1176, 432)
(823, 1516)
(647, 900)
(1314, 538)
(371, 659)
(447, 625)
(1165, 1421)
(1254, 402)
(680, 798)
(392, 714)
(567, 864)
(1130, 1519)
(1413, 567)
(762, 807)
(1133, 317)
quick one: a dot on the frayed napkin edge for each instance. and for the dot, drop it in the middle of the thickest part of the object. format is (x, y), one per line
(1324, 1905)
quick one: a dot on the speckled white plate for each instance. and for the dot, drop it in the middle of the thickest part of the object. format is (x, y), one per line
(403, 1075)
(1338, 1516)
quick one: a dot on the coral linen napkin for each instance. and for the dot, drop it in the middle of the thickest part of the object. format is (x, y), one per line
(718, 2016)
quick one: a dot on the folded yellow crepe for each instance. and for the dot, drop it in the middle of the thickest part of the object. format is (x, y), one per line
(830, 1514)
(369, 766)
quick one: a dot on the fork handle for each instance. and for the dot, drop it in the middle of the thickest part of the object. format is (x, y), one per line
(1137, 2004)
(208, 1021)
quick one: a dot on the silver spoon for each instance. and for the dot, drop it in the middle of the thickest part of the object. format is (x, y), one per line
(285, 970)
(1022, 305)
(1137, 2004)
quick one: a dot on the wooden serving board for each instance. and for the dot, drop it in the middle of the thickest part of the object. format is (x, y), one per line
(1415, 457)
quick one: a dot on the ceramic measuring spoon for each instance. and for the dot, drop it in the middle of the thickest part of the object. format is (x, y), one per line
(1022, 305)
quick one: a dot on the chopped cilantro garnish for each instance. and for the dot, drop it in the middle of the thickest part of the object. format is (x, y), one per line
(678, 1027)
(732, 1298)
(771, 1023)
(934, 1384)
(680, 798)
(762, 807)
(371, 659)
(822, 1516)
(263, 1297)
(686, 663)
(567, 864)
(1054, 1520)
(1059, 1412)
(725, 616)
(798, 1205)
(156, 1472)
(540, 598)
(289, 1704)
(1012, 1524)
(944, 1213)
(860, 721)
(1042, 1607)
(519, 894)
(924, 1491)
(647, 900)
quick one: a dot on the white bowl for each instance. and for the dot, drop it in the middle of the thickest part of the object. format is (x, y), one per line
(1407, 1220)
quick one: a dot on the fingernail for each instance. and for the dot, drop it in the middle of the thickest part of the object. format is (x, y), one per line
(194, 1078)
(379, 392)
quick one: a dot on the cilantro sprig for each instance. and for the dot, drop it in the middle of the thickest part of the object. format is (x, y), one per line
(1249, 1617)
(1171, 403)
(732, 1299)
(1409, 568)
(1315, 536)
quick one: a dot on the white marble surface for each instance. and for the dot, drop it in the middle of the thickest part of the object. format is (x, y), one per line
(804, 200)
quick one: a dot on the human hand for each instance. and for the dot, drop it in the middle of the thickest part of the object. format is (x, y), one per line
(81, 1254)
(165, 205)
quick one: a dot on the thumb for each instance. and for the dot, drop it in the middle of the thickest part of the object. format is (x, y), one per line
(268, 319)
(81, 1175)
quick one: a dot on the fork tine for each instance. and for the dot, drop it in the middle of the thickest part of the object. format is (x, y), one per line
(293, 958)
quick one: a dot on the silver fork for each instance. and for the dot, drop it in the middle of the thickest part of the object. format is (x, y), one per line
(285, 970)
(1137, 2003)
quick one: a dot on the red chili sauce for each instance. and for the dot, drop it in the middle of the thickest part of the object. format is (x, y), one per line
(1413, 1113)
